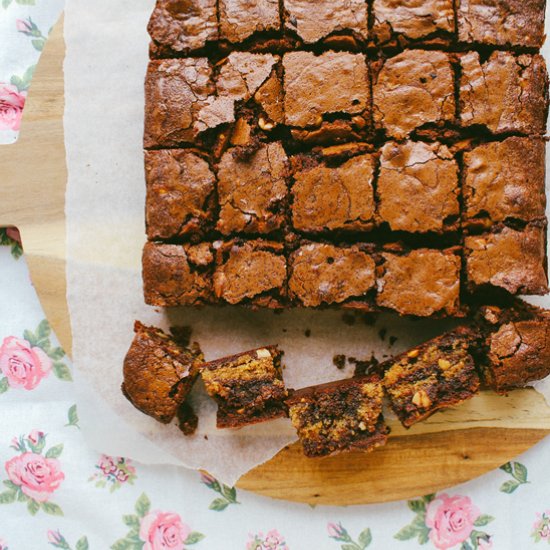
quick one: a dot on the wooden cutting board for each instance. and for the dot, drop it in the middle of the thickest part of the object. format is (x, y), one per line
(450, 448)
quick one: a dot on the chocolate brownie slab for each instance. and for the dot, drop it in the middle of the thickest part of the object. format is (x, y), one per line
(248, 387)
(240, 19)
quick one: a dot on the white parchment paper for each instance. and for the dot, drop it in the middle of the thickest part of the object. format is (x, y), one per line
(107, 55)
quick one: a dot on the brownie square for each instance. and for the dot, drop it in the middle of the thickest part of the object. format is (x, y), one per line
(418, 187)
(177, 275)
(516, 344)
(183, 26)
(312, 22)
(240, 19)
(159, 373)
(516, 23)
(247, 387)
(421, 282)
(506, 93)
(251, 272)
(514, 260)
(327, 274)
(180, 194)
(437, 374)
(316, 85)
(413, 89)
(252, 190)
(504, 180)
(415, 20)
(339, 416)
(175, 91)
(334, 197)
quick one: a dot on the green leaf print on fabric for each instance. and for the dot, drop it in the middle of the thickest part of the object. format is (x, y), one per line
(519, 473)
(9, 236)
(55, 538)
(337, 532)
(23, 82)
(72, 417)
(228, 494)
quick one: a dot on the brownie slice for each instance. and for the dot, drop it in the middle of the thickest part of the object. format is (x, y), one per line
(240, 19)
(510, 259)
(180, 194)
(418, 187)
(248, 387)
(183, 26)
(159, 373)
(313, 22)
(516, 345)
(252, 191)
(177, 275)
(251, 272)
(515, 23)
(412, 21)
(327, 197)
(437, 374)
(317, 85)
(324, 274)
(504, 180)
(506, 93)
(339, 416)
(413, 89)
(175, 92)
(420, 282)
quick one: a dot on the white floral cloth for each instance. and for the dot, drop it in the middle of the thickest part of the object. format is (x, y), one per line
(57, 493)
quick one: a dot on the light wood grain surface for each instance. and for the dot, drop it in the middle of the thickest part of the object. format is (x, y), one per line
(450, 448)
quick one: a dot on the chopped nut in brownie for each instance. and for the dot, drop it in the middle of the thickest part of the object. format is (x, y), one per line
(413, 89)
(251, 272)
(339, 416)
(158, 373)
(514, 260)
(240, 19)
(421, 282)
(437, 374)
(504, 180)
(418, 187)
(506, 93)
(334, 198)
(247, 387)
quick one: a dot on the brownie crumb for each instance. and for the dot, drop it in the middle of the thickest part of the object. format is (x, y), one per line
(364, 366)
(187, 419)
(392, 340)
(339, 361)
(181, 335)
(382, 334)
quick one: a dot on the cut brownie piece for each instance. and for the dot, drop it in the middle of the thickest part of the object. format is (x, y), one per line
(327, 274)
(252, 190)
(183, 26)
(516, 345)
(514, 260)
(159, 373)
(175, 91)
(437, 374)
(421, 282)
(418, 187)
(251, 272)
(339, 416)
(333, 198)
(516, 23)
(412, 20)
(312, 22)
(180, 193)
(177, 275)
(240, 19)
(506, 93)
(247, 387)
(413, 89)
(333, 82)
(504, 180)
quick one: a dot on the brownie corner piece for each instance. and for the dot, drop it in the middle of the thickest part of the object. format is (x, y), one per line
(339, 416)
(177, 275)
(158, 374)
(248, 387)
(437, 374)
(515, 23)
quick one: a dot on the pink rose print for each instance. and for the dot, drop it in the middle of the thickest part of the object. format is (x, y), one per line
(451, 520)
(483, 544)
(55, 537)
(107, 464)
(23, 26)
(11, 106)
(162, 530)
(541, 527)
(273, 540)
(13, 234)
(35, 437)
(38, 477)
(3, 545)
(115, 471)
(22, 365)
